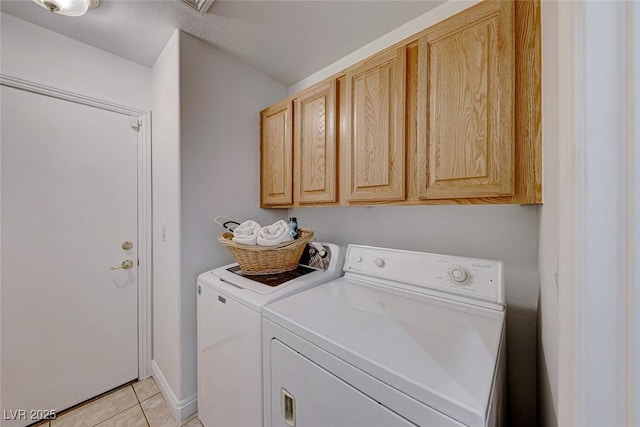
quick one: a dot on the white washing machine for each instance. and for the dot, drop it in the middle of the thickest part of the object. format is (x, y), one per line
(229, 313)
(404, 338)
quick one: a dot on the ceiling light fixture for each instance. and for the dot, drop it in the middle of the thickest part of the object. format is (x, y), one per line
(68, 7)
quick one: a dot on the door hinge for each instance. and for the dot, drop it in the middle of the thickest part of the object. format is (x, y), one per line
(136, 123)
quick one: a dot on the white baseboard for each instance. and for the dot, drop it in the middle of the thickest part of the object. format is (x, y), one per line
(180, 409)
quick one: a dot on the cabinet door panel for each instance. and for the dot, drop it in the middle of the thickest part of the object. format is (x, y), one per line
(314, 144)
(276, 160)
(374, 152)
(466, 144)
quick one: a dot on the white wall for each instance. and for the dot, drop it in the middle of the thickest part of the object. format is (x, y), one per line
(165, 81)
(221, 98)
(548, 260)
(412, 27)
(39, 55)
(206, 135)
(508, 233)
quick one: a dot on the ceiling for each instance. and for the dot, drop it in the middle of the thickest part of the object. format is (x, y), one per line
(288, 40)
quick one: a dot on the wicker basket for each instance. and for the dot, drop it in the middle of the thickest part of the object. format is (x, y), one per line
(254, 259)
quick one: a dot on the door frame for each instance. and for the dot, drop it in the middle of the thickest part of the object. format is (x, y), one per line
(599, 272)
(142, 120)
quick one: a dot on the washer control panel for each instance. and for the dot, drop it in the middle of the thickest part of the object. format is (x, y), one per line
(429, 273)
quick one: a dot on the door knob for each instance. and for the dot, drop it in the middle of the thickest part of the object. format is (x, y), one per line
(126, 264)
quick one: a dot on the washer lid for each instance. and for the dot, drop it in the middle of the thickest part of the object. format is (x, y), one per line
(245, 293)
(441, 353)
(267, 284)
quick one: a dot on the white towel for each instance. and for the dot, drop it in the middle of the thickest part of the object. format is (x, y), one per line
(247, 233)
(274, 234)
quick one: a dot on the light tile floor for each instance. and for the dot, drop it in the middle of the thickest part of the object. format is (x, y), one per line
(136, 405)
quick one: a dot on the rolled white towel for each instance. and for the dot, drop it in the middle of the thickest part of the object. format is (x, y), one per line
(274, 234)
(247, 233)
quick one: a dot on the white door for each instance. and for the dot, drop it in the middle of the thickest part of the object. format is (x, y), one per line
(69, 201)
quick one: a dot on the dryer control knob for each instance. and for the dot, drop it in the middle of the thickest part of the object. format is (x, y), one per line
(379, 262)
(459, 274)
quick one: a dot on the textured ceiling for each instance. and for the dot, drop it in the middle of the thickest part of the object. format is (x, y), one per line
(288, 40)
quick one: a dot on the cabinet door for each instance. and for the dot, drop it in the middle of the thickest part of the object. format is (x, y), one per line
(314, 145)
(374, 146)
(465, 106)
(276, 161)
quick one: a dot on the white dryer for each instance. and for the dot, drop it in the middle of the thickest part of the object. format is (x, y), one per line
(229, 313)
(404, 338)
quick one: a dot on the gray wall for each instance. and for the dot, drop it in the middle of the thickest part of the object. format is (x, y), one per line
(507, 233)
(220, 101)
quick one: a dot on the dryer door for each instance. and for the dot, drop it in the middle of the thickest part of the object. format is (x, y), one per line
(305, 394)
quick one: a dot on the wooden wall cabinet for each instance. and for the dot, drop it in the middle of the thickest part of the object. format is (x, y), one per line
(276, 154)
(465, 135)
(374, 143)
(315, 159)
(451, 115)
(298, 148)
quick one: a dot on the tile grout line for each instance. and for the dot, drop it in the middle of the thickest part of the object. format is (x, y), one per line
(92, 400)
(143, 411)
(144, 414)
(124, 410)
(136, 394)
(138, 403)
(148, 398)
